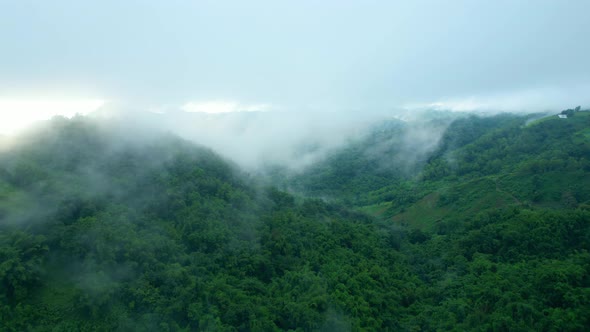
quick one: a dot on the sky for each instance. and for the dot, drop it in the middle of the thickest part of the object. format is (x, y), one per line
(265, 55)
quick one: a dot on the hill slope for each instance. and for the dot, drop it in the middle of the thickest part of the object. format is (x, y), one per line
(498, 220)
(478, 163)
(488, 230)
(103, 232)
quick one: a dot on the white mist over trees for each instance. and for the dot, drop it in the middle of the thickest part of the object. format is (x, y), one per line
(294, 166)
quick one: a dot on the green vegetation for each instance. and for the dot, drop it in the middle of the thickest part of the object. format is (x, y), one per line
(486, 230)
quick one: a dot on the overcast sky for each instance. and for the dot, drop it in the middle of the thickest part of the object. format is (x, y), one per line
(329, 55)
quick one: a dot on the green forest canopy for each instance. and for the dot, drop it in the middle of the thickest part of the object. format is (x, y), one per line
(489, 231)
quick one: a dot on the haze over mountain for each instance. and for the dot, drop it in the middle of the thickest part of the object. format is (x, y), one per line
(111, 225)
(300, 75)
(301, 166)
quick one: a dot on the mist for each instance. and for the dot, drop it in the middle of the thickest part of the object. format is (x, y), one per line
(255, 139)
(267, 83)
(264, 165)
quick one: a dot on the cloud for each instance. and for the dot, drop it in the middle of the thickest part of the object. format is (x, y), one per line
(251, 137)
(215, 107)
(526, 101)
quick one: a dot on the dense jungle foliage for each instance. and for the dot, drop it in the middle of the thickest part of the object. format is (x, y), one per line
(487, 230)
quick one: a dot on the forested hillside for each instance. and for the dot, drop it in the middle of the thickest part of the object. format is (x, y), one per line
(497, 219)
(486, 229)
(103, 232)
(506, 158)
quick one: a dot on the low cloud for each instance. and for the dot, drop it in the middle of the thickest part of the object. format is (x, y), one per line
(544, 99)
(215, 107)
(250, 137)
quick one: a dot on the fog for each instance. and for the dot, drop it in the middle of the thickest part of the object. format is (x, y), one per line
(279, 83)
(254, 139)
(257, 140)
(108, 215)
(267, 84)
